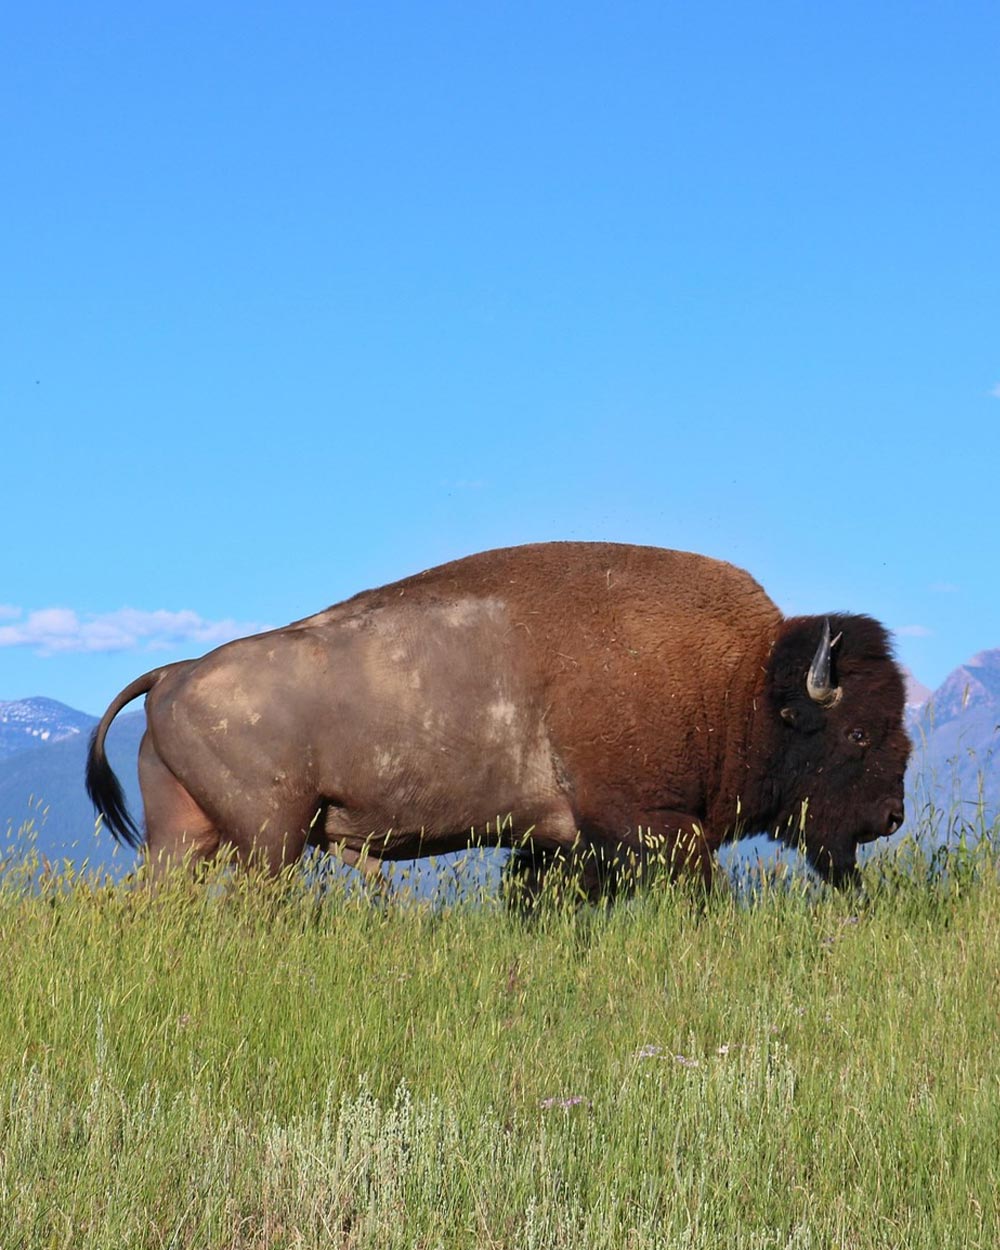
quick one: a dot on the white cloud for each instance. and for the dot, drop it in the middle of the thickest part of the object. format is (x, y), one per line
(995, 391)
(55, 631)
(8, 612)
(914, 631)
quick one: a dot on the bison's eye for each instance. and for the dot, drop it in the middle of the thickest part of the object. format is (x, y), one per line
(859, 737)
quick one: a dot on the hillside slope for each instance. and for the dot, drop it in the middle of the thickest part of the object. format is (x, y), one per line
(956, 744)
(43, 785)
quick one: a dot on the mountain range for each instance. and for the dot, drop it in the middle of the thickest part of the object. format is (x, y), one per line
(43, 752)
(954, 771)
(954, 774)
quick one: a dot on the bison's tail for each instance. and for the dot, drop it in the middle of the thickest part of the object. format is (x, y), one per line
(103, 786)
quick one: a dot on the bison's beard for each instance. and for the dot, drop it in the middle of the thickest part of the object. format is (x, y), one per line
(837, 866)
(834, 858)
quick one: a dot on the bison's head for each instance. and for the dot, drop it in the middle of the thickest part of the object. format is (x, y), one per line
(835, 700)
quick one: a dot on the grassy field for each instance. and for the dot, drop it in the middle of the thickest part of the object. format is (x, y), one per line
(272, 1067)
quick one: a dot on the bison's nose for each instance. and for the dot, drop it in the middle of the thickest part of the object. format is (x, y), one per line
(894, 819)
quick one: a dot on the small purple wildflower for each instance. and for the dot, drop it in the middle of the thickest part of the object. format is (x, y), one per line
(573, 1101)
(685, 1062)
(648, 1052)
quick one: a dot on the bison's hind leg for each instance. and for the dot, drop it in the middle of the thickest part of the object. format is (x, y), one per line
(177, 830)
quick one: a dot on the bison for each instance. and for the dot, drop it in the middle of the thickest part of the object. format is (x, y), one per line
(564, 696)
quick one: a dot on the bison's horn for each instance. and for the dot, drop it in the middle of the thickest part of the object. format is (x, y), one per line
(818, 677)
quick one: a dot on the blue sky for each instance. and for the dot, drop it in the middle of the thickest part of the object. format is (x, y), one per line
(300, 298)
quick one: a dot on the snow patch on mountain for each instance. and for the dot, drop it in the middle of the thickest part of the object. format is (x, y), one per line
(29, 723)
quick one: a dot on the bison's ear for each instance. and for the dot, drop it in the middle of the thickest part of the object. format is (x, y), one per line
(803, 715)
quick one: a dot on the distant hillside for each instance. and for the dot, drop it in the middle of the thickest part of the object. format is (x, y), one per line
(27, 723)
(44, 784)
(916, 692)
(956, 742)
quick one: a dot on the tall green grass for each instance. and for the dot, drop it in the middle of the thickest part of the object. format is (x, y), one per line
(282, 1065)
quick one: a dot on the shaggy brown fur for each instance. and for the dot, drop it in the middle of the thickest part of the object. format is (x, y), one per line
(574, 693)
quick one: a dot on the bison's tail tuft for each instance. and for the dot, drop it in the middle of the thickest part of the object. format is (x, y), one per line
(103, 786)
(107, 795)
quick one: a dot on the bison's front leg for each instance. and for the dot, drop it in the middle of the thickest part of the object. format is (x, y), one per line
(658, 841)
(676, 842)
(583, 874)
(606, 863)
